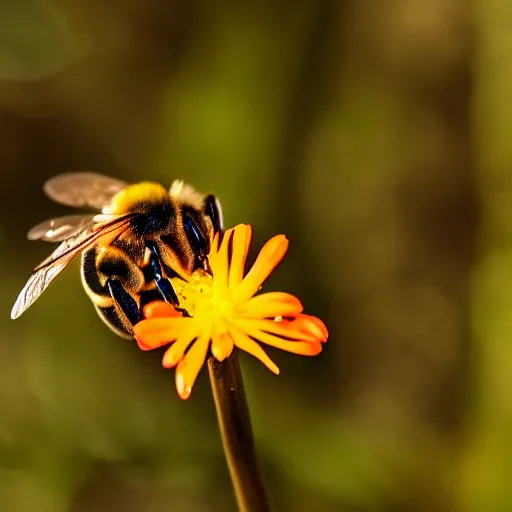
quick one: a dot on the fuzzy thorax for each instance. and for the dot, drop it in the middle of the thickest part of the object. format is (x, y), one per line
(128, 199)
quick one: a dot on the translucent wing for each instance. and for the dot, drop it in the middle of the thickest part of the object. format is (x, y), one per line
(62, 228)
(83, 189)
(50, 268)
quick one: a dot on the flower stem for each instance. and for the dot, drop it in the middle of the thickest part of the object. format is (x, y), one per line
(236, 432)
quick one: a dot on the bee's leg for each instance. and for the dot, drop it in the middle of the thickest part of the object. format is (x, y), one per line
(198, 242)
(213, 210)
(163, 284)
(108, 293)
(124, 300)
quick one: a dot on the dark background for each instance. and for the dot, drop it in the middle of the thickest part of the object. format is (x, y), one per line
(376, 135)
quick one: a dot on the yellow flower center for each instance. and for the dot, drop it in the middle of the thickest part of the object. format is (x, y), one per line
(201, 299)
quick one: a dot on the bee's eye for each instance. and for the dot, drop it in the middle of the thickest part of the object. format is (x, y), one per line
(195, 238)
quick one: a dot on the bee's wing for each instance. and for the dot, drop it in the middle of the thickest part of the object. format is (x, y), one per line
(62, 228)
(83, 189)
(50, 268)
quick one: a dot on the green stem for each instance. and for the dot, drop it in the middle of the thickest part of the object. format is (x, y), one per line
(236, 432)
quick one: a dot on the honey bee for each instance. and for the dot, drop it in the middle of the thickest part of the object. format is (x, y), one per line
(142, 236)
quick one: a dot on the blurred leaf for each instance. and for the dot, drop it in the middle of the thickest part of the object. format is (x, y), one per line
(35, 40)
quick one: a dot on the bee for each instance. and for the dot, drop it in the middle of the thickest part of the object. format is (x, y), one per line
(139, 237)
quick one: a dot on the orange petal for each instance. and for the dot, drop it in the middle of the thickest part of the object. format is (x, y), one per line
(269, 257)
(215, 244)
(222, 346)
(286, 328)
(272, 304)
(189, 367)
(160, 309)
(214, 249)
(243, 342)
(220, 263)
(156, 332)
(303, 348)
(312, 325)
(241, 241)
(175, 353)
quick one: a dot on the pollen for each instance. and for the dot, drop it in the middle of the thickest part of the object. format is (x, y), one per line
(196, 293)
(201, 299)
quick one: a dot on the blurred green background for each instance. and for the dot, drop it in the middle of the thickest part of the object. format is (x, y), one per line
(377, 136)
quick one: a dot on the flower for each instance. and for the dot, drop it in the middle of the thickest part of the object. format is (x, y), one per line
(223, 312)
